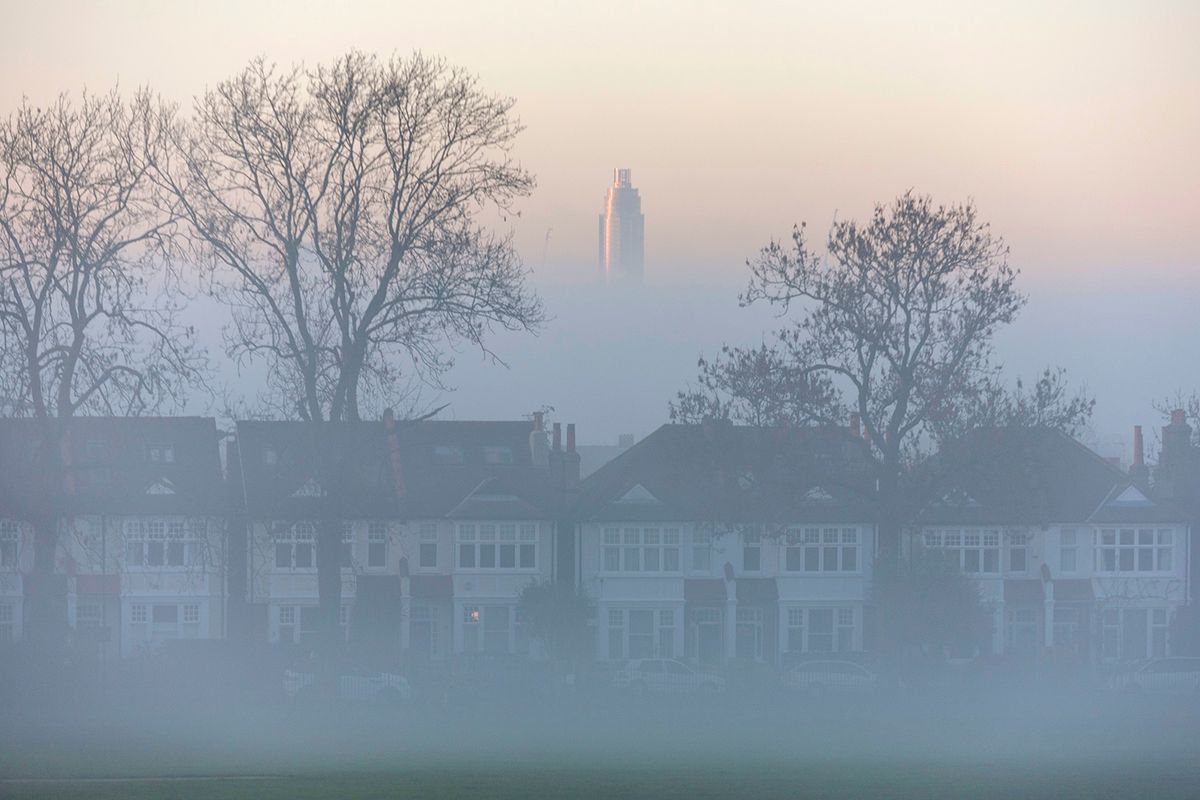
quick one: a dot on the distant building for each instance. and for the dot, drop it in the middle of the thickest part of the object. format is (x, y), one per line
(622, 228)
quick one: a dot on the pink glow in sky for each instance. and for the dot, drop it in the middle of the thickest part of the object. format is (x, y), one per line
(1074, 126)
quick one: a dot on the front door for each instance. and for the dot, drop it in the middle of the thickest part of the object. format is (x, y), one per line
(1133, 633)
(710, 638)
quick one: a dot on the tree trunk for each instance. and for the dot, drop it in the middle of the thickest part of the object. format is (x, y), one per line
(45, 591)
(329, 599)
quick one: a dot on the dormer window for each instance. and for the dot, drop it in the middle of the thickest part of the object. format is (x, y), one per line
(448, 454)
(160, 453)
(497, 455)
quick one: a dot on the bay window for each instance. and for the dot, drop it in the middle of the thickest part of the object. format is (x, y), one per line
(821, 629)
(1068, 550)
(164, 542)
(822, 550)
(975, 552)
(702, 543)
(641, 633)
(752, 551)
(427, 550)
(10, 537)
(650, 549)
(377, 542)
(1136, 550)
(493, 546)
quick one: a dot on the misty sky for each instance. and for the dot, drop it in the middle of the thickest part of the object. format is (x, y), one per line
(1073, 126)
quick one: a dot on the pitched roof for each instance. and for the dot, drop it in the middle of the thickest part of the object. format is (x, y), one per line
(118, 465)
(456, 469)
(720, 472)
(1028, 475)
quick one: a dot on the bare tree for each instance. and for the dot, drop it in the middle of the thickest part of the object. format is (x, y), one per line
(338, 209)
(899, 317)
(757, 386)
(1049, 403)
(88, 290)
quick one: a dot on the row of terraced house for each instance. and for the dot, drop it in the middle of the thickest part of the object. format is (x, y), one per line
(703, 542)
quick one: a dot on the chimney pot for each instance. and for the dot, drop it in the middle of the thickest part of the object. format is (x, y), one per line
(557, 437)
(1139, 452)
(1178, 417)
(855, 424)
(570, 437)
(538, 420)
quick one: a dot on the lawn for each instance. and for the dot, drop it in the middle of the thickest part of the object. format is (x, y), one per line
(1016, 745)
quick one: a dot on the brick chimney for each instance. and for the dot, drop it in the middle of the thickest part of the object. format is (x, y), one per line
(1176, 438)
(1139, 473)
(539, 448)
(571, 458)
(855, 425)
(393, 443)
(554, 459)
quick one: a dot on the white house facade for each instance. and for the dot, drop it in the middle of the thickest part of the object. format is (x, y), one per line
(723, 542)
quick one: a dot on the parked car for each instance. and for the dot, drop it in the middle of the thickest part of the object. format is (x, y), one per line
(666, 676)
(821, 677)
(354, 684)
(1175, 674)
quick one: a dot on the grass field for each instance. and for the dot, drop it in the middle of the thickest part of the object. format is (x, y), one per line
(678, 782)
(1014, 746)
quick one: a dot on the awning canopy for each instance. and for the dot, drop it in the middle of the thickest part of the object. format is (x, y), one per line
(1074, 590)
(757, 591)
(431, 587)
(703, 590)
(1024, 591)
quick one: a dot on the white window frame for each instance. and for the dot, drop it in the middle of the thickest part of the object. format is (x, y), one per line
(497, 542)
(702, 551)
(1068, 551)
(816, 550)
(844, 634)
(970, 549)
(645, 550)
(1135, 551)
(10, 543)
(164, 544)
(620, 636)
(8, 622)
(427, 542)
(294, 536)
(378, 537)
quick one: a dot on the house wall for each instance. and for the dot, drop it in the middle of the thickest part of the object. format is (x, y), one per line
(734, 626)
(473, 588)
(1109, 626)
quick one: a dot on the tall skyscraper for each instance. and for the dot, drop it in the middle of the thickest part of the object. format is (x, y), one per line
(622, 228)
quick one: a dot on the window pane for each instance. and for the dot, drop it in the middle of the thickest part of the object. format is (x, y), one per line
(487, 556)
(671, 559)
(612, 559)
(508, 556)
(466, 556)
(650, 556)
